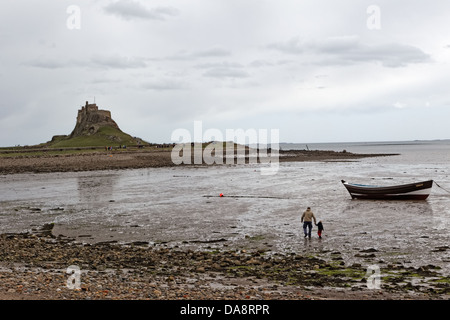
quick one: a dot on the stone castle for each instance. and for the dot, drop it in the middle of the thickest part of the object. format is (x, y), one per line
(90, 119)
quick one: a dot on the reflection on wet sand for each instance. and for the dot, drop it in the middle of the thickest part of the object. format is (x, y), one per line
(96, 188)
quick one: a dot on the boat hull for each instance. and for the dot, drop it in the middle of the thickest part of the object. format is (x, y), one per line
(412, 191)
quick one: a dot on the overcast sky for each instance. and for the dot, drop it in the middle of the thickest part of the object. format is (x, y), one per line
(319, 71)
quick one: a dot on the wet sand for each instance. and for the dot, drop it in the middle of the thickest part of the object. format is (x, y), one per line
(208, 263)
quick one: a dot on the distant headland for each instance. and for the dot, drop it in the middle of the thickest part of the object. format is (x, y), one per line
(97, 143)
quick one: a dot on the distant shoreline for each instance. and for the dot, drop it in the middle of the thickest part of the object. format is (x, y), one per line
(60, 160)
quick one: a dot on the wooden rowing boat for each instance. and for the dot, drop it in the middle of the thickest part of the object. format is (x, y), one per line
(411, 191)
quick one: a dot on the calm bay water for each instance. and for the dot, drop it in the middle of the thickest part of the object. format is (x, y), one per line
(181, 206)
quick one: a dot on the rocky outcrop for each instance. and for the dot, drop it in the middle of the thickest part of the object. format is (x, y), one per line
(90, 119)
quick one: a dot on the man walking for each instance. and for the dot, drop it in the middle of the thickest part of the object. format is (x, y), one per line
(307, 218)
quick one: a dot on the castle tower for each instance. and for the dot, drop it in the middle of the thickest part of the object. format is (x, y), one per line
(90, 119)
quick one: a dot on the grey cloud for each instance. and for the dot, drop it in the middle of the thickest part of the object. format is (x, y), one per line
(45, 63)
(224, 70)
(226, 73)
(267, 63)
(97, 61)
(118, 62)
(191, 55)
(164, 85)
(350, 50)
(227, 65)
(104, 81)
(129, 9)
(261, 63)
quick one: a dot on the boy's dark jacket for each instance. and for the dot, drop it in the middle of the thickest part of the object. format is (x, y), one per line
(320, 225)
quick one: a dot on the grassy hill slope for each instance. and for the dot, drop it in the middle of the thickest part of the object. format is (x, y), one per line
(105, 136)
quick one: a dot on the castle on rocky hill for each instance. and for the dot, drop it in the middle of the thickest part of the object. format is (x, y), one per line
(90, 119)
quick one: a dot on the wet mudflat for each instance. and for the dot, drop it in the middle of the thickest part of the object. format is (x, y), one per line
(179, 209)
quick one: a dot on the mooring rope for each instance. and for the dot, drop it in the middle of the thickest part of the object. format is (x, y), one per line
(441, 187)
(248, 196)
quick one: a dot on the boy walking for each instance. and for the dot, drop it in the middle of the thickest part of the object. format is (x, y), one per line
(320, 229)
